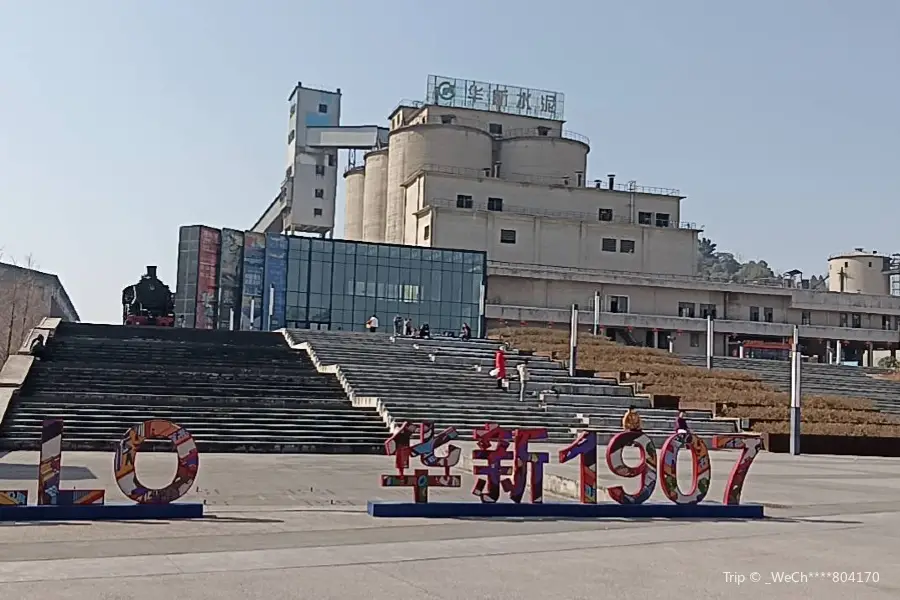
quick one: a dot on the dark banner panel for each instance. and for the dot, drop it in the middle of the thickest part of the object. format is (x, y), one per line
(230, 269)
(275, 281)
(207, 280)
(252, 289)
(186, 277)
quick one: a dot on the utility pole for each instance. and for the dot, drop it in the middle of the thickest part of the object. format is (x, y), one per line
(573, 340)
(795, 392)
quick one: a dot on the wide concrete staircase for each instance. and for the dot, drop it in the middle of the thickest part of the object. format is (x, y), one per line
(447, 381)
(815, 379)
(233, 391)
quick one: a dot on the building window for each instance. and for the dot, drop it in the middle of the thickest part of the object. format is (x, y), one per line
(293, 109)
(323, 108)
(768, 314)
(662, 219)
(695, 340)
(605, 214)
(291, 136)
(320, 169)
(686, 309)
(463, 201)
(885, 322)
(645, 218)
(288, 172)
(495, 129)
(805, 318)
(332, 160)
(856, 320)
(426, 234)
(495, 204)
(320, 193)
(507, 236)
(626, 246)
(608, 244)
(448, 119)
(843, 319)
(754, 313)
(317, 212)
(618, 304)
(707, 310)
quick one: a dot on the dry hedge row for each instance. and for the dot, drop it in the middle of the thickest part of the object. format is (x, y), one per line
(744, 395)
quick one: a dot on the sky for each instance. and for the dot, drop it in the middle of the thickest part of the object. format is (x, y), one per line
(121, 120)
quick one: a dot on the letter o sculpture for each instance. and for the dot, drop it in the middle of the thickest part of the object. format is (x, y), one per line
(702, 470)
(126, 453)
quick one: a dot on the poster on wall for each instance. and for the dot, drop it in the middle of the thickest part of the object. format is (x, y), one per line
(252, 288)
(275, 281)
(230, 264)
(207, 279)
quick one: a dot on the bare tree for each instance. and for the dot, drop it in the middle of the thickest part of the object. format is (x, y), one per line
(21, 306)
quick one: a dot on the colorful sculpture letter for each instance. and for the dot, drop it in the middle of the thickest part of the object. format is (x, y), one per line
(522, 458)
(750, 446)
(399, 446)
(701, 468)
(487, 487)
(646, 470)
(126, 452)
(584, 447)
(48, 492)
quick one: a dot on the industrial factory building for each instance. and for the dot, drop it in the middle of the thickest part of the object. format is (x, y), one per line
(494, 169)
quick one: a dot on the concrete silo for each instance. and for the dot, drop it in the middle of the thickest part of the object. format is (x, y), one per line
(436, 145)
(356, 183)
(375, 196)
(544, 154)
(859, 272)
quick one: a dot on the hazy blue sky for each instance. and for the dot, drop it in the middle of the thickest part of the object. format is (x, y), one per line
(121, 120)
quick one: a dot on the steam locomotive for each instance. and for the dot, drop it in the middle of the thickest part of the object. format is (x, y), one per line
(148, 302)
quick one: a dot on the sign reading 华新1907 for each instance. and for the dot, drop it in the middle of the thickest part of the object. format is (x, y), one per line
(462, 93)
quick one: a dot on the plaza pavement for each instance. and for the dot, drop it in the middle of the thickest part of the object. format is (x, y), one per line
(294, 526)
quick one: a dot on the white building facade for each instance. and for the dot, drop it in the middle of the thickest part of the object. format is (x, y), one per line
(485, 167)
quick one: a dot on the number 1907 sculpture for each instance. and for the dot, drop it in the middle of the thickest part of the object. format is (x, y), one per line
(508, 462)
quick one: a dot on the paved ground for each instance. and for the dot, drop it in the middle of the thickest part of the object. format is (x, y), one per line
(285, 527)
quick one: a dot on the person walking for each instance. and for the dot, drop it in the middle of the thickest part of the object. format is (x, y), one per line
(499, 370)
(522, 368)
(372, 324)
(681, 425)
(632, 420)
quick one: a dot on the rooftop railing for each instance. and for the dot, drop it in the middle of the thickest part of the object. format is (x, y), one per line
(573, 215)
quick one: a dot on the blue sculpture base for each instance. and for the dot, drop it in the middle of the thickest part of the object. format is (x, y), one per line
(101, 512)
(572, 510)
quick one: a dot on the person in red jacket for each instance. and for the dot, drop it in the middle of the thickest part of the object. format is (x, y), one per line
(499, 367)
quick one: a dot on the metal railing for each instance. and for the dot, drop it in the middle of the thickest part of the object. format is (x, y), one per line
(545, 132)
(767, 283)
(580, 216)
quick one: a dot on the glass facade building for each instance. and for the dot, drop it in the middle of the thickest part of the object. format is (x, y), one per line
(272, 281)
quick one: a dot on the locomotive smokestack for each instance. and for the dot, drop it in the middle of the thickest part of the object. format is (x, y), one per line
(151, 271)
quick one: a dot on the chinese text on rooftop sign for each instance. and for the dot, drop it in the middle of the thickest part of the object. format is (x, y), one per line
(462, 93)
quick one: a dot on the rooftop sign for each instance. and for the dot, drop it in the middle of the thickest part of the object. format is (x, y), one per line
(509, 99)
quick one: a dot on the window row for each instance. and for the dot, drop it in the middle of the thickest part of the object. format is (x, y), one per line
(323, 109)
(465, 201)
(644, 218)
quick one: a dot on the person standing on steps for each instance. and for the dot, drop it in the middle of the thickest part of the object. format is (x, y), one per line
(522, 368)
(681, 425)
(398, 325)
(407, 327)
(632, 420)
(466, 332)
(372, 324)
(499, 370)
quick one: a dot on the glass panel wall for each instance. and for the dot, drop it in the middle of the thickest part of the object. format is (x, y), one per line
(340, 284)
